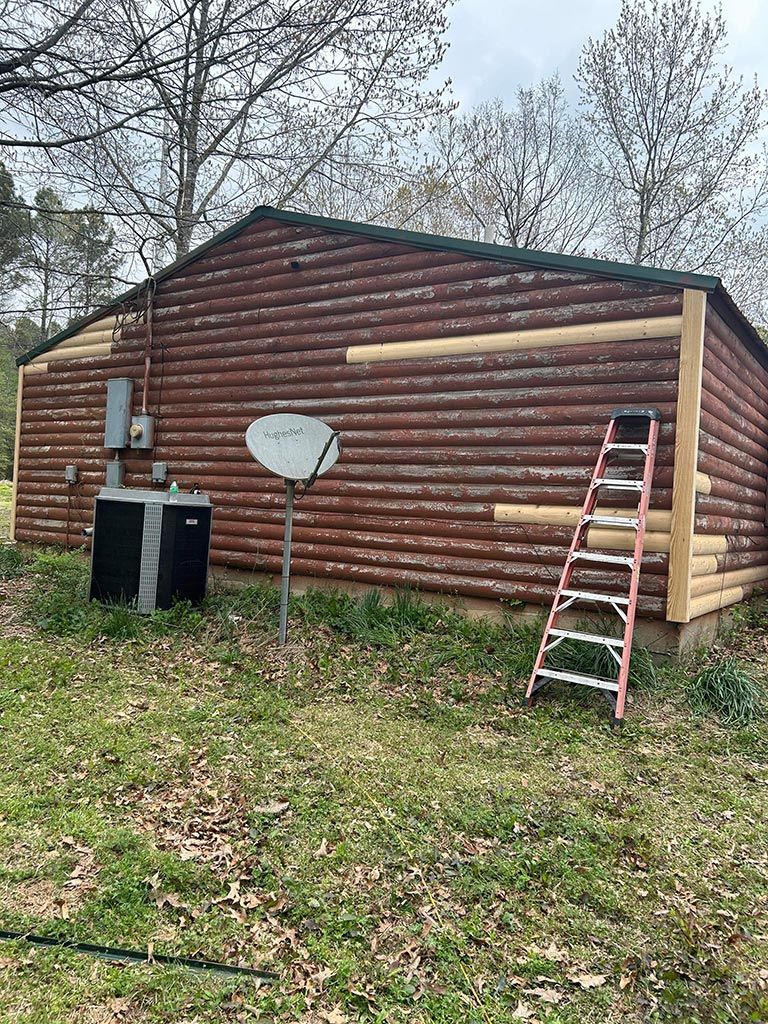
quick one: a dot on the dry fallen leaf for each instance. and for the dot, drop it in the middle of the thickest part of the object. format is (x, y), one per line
(523, 1012)
(546, 995)
(554, 954)
(272, 807)
(334, 1016)
(588, 980)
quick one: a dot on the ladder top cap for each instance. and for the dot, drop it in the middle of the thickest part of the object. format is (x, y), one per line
(651, 414)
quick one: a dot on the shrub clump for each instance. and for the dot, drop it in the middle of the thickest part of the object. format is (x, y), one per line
(12, 562)
(728, 689)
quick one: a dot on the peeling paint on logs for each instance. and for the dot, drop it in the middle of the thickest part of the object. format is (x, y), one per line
(292, 366)
(454, 278)
(430, 447)
(421, 322)
(257, 388)
(729, 416)
(396, 306)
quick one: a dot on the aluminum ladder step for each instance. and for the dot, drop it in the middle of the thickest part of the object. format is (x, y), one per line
(589, 638)
(588, 595)
(616, 446)
(617, 521)
(576, 677)
(598, 556)
(618, 483)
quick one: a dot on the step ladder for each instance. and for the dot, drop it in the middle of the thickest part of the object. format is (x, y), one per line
(620, 448)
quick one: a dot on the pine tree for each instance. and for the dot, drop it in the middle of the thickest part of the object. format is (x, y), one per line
(95, 262)
(12, 225)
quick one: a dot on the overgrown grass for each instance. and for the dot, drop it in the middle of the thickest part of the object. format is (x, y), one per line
(11, 562)
(58, 603)
(596, 659)
(432, 634)
(6, 488)
(729, 689)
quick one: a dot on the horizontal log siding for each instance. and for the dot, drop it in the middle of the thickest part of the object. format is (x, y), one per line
(733, 452)
(430, 445)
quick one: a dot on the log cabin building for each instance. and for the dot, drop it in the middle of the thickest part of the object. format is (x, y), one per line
(472, 385)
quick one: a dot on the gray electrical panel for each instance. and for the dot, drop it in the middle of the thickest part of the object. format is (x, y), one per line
(118, 419)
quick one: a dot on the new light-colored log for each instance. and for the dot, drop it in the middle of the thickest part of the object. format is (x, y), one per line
(727, 580)
(658, 520)
(95, 339)
(704, 565)
(703, 484)
(624, 539)
(686, 455)
(57, 354)
(504, 341)
(107, 323)
(101, 337)
(709, 544)
(16, 453)
(713, 602)
(30, 368)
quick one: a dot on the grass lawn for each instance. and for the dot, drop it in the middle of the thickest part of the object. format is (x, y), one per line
(369, 813)
(5, 507)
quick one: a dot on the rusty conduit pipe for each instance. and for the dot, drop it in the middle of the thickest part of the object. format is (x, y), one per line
(151, 286)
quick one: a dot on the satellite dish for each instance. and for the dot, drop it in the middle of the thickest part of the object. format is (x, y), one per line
(295, 448)
(292, 446)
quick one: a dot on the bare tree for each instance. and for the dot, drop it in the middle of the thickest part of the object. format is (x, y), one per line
(376, 184)
(521, 172)
(58, 58)
(678, 136)
(262, 94)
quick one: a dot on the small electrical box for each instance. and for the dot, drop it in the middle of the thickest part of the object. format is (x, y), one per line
(70, 474)
(159, 472)
(142, 432)
(115, 473)
(118, 419)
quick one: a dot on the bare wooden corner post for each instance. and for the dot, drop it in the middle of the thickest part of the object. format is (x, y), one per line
(16, 451)
(686, 456)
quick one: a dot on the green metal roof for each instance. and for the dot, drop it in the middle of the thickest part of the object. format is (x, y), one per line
(445, 243)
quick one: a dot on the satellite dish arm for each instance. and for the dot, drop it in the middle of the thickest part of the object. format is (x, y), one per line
(313, 475)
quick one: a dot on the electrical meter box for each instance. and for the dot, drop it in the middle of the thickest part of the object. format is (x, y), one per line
(150, 548)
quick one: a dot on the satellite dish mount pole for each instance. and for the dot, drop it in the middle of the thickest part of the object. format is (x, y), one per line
(285, 583)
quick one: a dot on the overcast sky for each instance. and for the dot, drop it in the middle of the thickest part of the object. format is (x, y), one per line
(497, 45)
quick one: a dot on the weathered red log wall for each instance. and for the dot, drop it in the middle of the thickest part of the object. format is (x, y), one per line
(262, 323)
(733, 452)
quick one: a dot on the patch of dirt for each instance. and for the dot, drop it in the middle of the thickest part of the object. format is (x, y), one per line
(35, 896)
(118, 1010)
(43, 898)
